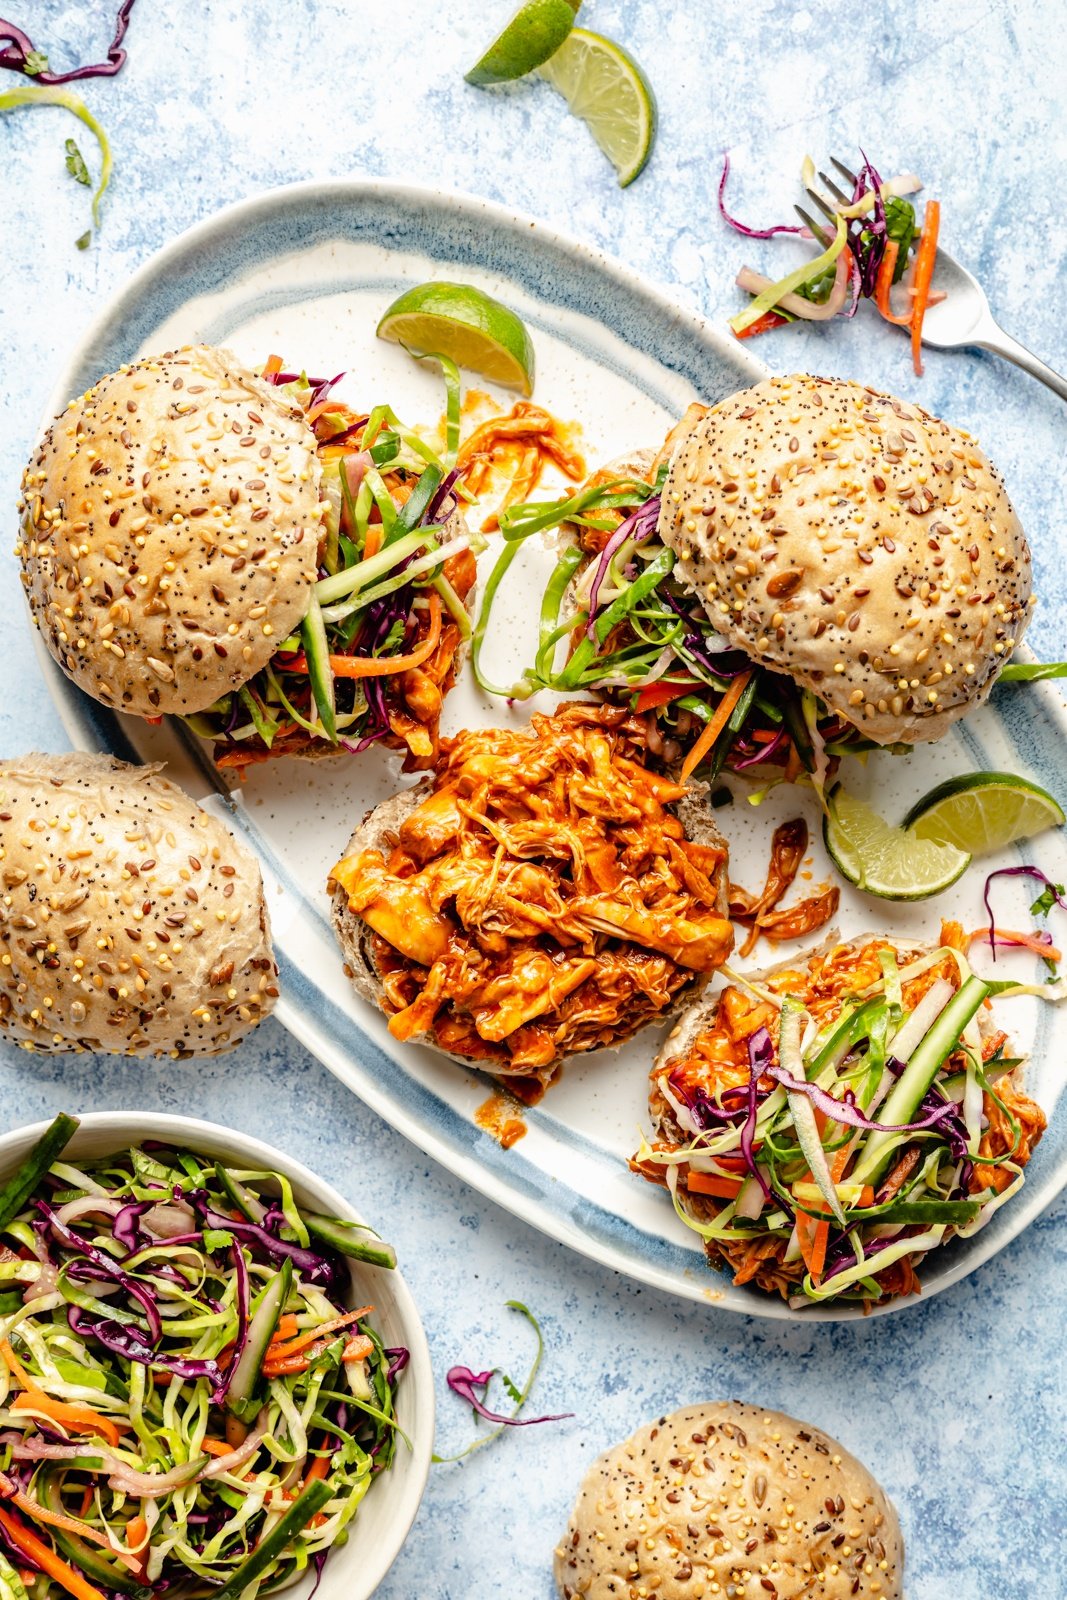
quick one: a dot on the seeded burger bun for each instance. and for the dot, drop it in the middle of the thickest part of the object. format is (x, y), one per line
(379, 830)
(170, 527)
(727, 1499)
(856, 543)
(131, 921)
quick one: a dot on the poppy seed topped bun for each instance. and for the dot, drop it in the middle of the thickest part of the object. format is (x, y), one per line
(170, 525)
(856, 543)
(727, 1499)
(131, 921)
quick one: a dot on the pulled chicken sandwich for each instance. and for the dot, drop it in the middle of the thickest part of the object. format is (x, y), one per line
(541, 895)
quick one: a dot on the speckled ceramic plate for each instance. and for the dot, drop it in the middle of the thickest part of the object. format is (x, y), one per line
(306, 271)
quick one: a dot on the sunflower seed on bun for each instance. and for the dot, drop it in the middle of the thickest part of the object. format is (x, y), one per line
(170, 525)
(856, 543)
(541, 895)
(728, 1499)
(131, 921)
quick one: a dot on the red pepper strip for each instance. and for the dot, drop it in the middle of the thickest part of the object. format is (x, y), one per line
(661, 694)
(764, 324)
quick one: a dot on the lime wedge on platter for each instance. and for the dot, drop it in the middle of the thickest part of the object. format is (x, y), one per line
(982, 812)
(886, 861)
(603, 84)
(470, 327)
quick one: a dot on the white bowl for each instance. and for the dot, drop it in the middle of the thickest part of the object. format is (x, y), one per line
(382, 1523)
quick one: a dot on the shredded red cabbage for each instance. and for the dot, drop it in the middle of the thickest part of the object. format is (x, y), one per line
(848, 1112)
(760, 1062)
(741, 227)
(398, 1360)
(127, 1341)
(315, 1267)
(125, 1226)
(640, 525)
(464, 1382)
(20, 51)
(1017, 872)
(95, 1264)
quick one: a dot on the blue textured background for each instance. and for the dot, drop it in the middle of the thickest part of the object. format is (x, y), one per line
(958, 1404)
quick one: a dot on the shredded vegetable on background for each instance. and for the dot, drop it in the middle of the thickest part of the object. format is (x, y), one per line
(868, 244)
(473, 1387)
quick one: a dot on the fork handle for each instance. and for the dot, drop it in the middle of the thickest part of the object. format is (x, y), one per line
(1002, 344)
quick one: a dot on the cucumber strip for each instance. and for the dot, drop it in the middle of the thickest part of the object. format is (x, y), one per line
(93, 1563)
(241, 1388)
(417, 503)
(246, 1202)
(349, 1240)
(18, 1188)
(914, 1082)
(313, 1499)
(317, 651)
(801, 1108)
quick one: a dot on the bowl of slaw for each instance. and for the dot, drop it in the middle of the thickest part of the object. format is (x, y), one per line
(374, 1536)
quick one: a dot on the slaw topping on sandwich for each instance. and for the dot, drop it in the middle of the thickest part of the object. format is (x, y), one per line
(823, 1127)
(379, 646)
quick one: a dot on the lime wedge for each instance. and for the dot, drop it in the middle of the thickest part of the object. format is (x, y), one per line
(604, 86)
(883, 860)
(473, 329)
(983, 811)
(535, 31)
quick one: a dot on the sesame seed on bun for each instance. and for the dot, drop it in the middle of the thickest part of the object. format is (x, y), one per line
(727, 1499)
(856, 543)
(170, 525)
(131, 921)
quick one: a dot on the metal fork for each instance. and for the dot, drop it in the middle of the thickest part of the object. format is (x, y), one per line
(963, 318)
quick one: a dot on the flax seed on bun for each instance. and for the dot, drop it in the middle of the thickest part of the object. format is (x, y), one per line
(131, 921)
(856, 543)
(729, 1499)
(170, 525)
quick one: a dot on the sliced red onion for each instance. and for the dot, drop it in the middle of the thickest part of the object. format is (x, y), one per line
(741, 227)
(88, 1205)
(243, 1452)
(170, 1221)
(462, 1381)
(795, 304)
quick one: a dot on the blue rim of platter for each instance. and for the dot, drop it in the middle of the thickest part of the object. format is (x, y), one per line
(465, 231)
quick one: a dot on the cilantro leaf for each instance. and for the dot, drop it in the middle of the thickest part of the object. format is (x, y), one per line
(512, 1388)
(217, 1239)
(76, 164)
(1046, 899)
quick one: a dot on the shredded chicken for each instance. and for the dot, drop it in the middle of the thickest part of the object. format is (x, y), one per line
(717, 1059)
(788, 846)
(543, 899)
(521, 443)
